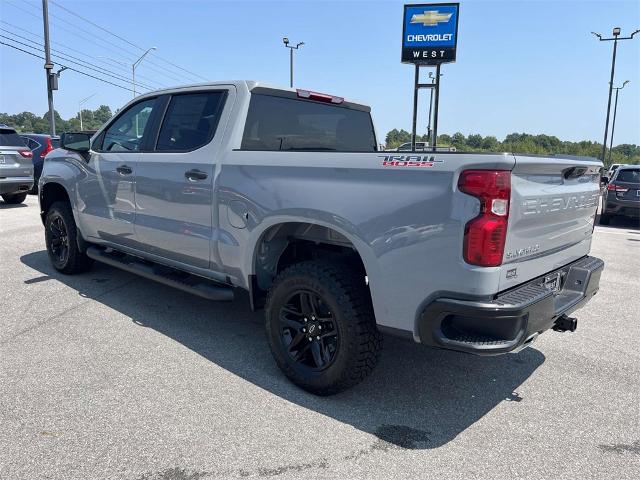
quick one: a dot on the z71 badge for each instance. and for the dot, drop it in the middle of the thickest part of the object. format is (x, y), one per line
(409, 160)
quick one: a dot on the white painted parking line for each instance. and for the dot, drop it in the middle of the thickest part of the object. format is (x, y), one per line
(616, 232)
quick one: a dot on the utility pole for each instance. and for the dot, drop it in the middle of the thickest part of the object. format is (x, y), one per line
(615, 111)
(48, 66)
(291, 48)
(616, 37)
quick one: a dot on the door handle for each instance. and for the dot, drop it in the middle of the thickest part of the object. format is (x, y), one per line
(124, 170)
(195, 174)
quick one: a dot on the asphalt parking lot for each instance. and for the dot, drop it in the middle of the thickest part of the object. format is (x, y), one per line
(109, 376)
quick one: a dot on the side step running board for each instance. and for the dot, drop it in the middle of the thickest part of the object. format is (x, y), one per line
(174, 278)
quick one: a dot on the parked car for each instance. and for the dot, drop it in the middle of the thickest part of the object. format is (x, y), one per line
(613, 168)
(283, 193)
(622, 195)
(421, 147)
(608, 175)
(16, 167)
(40, 144)
(406, 147)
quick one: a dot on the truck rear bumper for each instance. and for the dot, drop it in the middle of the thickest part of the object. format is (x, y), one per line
(15, 184)
(616, 206)
(513, 318)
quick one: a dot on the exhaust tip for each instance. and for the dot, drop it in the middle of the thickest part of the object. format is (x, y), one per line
(565, 324)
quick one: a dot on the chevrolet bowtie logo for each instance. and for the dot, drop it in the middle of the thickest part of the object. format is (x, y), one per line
(431, 18)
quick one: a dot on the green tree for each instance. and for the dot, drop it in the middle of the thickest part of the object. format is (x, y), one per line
(475, 141)
(459, 141)
(490, 144)
(397, 137)
(444, 139)
(526, 143)
(28, 122)
(102, 114)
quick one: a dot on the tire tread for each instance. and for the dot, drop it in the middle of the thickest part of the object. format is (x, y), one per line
(354, 299)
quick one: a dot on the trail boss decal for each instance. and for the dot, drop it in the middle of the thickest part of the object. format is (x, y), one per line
(409, 160)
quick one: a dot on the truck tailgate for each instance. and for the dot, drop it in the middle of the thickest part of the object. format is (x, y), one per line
(552, 212)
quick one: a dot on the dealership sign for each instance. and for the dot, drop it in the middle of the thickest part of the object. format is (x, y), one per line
(430, 33)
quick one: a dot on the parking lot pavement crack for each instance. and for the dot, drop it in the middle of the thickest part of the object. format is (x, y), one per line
(390, 437)
(64, 312)
(174, 474)
(632, 448)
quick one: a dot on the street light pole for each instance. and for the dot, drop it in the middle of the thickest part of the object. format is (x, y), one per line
(82, 102)
(291, 48)
(615, 111)
(616, 37)
(133, 69)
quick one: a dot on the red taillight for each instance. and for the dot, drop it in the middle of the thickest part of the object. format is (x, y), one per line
(26, 153)
(485, 235)
(319, 97)
(47, 148)
(616, 188)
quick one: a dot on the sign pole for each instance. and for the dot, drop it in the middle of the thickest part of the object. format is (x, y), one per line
(435, 108)
(430, 124)
(416, 87)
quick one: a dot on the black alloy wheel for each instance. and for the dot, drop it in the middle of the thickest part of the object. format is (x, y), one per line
(308, 330)
(59, 238)
(62, 239)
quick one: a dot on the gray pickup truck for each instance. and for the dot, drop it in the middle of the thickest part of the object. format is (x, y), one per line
(283, 193)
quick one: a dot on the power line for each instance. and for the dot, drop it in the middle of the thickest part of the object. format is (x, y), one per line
(125, 40)
(68, 68)
(72, 59)
(134, 55)
(39, 37)
(98, 69)
(93, 41)
(92, 37)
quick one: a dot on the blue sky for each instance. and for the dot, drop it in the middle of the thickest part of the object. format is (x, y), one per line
(522, 66)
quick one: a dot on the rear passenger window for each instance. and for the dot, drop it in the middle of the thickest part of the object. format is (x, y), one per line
(32, 144)
(286, 124)
(190, 121)
(9, 138)
(629, 175)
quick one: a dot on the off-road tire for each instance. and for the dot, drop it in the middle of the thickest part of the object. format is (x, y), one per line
(343, 291)
(74, 261)
(14, 198)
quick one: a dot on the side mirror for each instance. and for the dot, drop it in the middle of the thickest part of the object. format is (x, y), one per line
(76, 141)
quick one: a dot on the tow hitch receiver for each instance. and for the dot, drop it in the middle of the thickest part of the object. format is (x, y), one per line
(565, 324)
